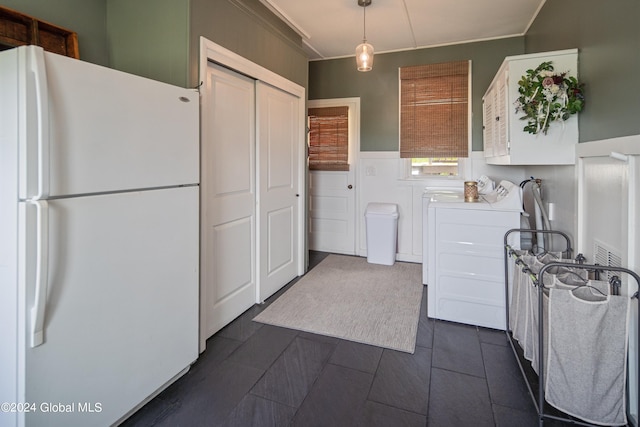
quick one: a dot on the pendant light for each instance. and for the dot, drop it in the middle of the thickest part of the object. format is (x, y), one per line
(364, 51)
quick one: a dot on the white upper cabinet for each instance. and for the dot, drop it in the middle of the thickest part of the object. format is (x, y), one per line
(505, 140)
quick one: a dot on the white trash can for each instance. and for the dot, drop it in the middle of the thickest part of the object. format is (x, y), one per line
(382, 232)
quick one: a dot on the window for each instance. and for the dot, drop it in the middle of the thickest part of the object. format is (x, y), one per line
(434, 117)
(430, 166)
(329, 138)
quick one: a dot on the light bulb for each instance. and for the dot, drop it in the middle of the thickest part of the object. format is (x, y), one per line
(364, 56)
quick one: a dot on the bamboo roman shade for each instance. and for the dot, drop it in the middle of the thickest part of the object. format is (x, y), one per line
(434, 110)
(329, 138)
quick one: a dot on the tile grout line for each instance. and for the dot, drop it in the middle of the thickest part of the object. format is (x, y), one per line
(486, 379)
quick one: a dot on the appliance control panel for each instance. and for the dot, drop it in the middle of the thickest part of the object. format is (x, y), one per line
(485, 185)
(506, 195)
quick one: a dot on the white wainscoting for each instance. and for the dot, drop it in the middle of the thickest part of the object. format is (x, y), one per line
(381, 179)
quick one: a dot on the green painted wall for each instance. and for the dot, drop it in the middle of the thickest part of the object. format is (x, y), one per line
(160, 39)
(247, 28)
(607, 35)
(150, 38)
(378, 88)
(86, 17)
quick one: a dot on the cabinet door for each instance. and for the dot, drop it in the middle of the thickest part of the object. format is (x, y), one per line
(487, 124)
(495, 120)
(501, 122)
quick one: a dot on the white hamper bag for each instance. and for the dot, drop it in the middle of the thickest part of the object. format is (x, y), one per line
(586, 365)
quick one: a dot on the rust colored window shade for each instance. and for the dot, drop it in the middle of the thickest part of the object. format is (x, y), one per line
(434, 110)
(329, 138)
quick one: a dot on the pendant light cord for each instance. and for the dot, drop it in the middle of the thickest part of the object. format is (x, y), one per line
(364, 24)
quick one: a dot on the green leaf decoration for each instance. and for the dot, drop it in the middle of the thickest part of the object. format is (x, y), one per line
(547, 96)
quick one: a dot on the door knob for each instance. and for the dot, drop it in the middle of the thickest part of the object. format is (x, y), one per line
(349, 186)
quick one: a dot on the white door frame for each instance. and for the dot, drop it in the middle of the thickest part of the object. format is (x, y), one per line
(354, 149)
(210, 51)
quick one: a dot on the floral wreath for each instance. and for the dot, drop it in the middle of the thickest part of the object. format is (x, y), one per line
(546, 96)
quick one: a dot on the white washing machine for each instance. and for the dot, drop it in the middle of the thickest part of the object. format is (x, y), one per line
(464, 254)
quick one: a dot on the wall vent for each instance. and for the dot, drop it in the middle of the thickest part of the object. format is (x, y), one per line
(604, 254)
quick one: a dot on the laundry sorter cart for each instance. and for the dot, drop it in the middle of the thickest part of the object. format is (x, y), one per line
(573, 329)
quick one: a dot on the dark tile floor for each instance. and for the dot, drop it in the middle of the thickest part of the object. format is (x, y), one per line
(260, 375)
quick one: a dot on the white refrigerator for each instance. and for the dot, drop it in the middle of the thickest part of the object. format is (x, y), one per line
(99, 175)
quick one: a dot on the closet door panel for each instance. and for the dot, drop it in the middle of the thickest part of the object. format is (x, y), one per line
(228, 279)
(278, 195)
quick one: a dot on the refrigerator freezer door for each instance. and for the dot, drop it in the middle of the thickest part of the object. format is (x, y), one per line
(107, 130)
(121, 314)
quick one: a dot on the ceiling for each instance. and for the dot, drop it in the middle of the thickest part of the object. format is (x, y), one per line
(333, 28)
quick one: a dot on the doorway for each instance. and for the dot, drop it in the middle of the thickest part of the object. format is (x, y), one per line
(332, 193)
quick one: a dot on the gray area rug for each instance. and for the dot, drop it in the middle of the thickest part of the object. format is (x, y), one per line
(348, 298)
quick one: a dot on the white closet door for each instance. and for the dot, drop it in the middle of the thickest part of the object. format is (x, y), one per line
(228, 285)
(278, 144)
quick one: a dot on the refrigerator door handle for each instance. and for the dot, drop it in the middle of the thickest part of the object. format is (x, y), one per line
(42, 107)
(42, 272)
